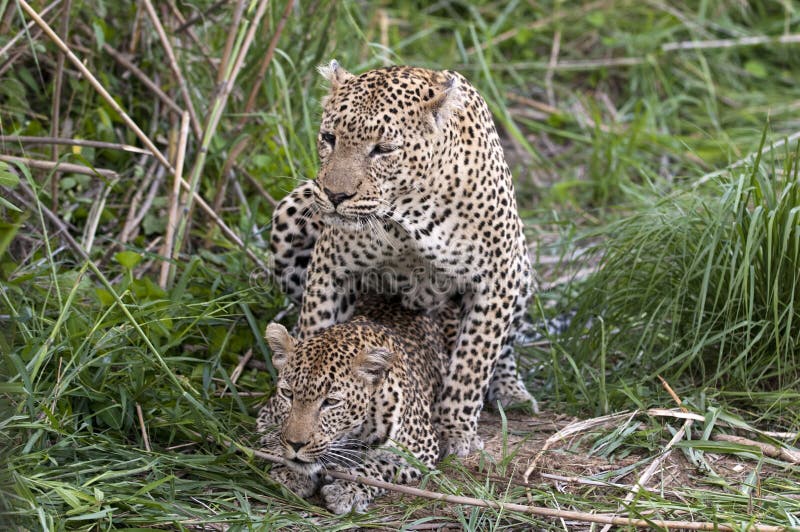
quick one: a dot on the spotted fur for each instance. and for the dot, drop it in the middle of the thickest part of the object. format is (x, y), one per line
(413, 197)
(349, 395)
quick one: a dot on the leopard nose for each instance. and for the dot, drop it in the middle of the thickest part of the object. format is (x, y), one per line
(296, 445)
(337, 197)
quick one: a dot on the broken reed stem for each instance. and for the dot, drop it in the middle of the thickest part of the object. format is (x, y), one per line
(150, 84)
(233, 237)
(225, 59)
(203, 47)
(585, 517)
(142, 427)
(55, 123)
(63, 167)
(215, 114)
(262, 69)
(25, 139)
(167, 267)
(173, 63)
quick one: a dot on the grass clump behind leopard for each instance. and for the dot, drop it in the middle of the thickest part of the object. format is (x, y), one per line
(414, 197)
(349, 398)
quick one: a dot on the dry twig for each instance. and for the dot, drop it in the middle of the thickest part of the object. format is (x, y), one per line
(173, 63)
(63, 167)
(773, 451)
(167, 269)
(23, 139)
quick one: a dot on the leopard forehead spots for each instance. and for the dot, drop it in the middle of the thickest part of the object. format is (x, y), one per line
(323, 364)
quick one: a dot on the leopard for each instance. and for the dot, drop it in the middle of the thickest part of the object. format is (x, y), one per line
(414, 197)
(355, 397)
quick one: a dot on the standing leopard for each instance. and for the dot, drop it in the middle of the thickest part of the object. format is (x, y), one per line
(352, 397)
(413, 197)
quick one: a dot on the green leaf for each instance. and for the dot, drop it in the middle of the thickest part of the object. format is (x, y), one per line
(7, 177)
(128, 259)
(596, 19)
(105, 297)
(8, 205)
(99, 34)
(756, 68)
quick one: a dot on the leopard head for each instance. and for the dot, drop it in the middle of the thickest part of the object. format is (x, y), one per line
(378, 138)
(325, 390)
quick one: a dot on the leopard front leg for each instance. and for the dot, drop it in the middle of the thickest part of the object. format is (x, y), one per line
(330, 291)
(506, 385)
(296, 225)
(301, 484)
(480, 339)
(342, 496)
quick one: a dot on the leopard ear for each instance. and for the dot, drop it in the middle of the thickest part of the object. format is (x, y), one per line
(445, 99)
(335, 75)
(372, 364)
(281, 343)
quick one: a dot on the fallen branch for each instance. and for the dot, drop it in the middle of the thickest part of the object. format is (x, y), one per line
(773, 451)
(584, 517)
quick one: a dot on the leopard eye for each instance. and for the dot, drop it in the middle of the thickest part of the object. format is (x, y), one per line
(286, 392)
(330, 138)
(330, 402)
(383, 149)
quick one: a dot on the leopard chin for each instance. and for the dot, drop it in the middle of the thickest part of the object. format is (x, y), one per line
(348, 223)
(307, 468)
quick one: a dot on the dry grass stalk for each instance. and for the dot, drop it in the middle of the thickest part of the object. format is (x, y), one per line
(773, 451)
(173, 64)
(142, 427)
(24, 31)
(167, 269)
(23, 139)
(56, 107)
(730, 43)
(150, 84)
(569, 430)
(64, 167)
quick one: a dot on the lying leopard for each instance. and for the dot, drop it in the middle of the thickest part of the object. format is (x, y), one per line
(349, 398)
(413, 197)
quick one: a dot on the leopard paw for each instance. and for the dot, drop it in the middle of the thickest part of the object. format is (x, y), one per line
(458, 442)
(510, 392)
(298, 483)
(342, 497)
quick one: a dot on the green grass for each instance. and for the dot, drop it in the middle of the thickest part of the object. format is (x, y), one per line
(628, 146)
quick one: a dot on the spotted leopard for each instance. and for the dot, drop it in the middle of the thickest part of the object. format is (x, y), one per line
(413, 197)
(349, 398)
